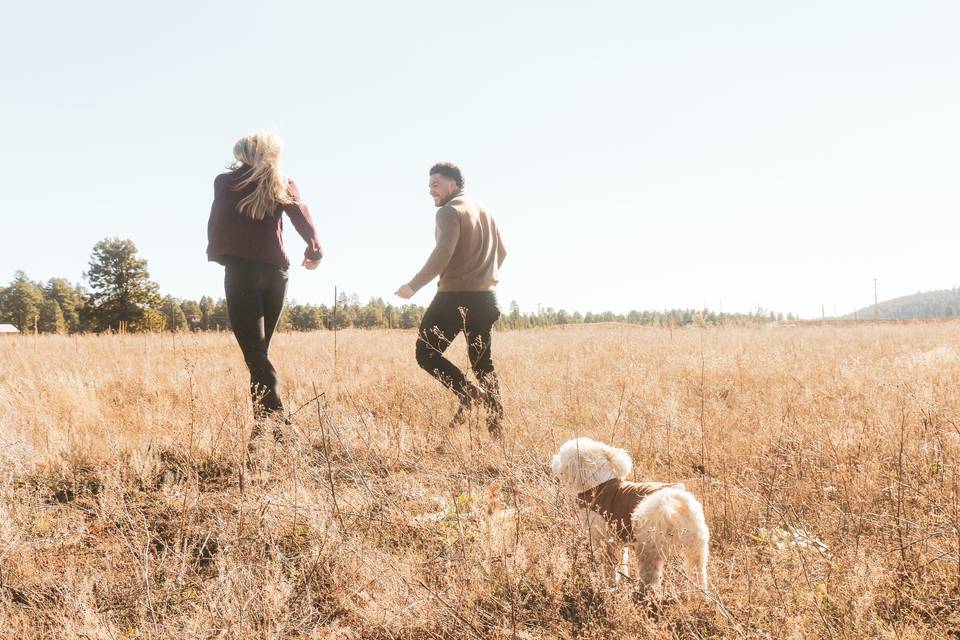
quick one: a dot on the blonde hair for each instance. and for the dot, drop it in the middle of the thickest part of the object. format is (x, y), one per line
(261, 152)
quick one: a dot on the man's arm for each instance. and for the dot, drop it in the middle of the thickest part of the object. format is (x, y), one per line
(501, 250)
(448, 233)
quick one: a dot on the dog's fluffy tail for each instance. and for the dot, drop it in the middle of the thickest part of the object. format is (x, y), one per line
(672, 519)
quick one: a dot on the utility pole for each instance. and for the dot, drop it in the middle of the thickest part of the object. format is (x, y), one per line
(335, 300)
(876, 312)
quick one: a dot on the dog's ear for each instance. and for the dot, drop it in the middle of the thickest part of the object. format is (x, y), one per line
(619, 461)
(556, 465)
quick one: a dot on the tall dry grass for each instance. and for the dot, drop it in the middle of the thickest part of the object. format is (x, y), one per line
(826, 459)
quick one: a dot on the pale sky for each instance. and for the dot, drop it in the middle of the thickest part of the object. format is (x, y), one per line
(635, 154)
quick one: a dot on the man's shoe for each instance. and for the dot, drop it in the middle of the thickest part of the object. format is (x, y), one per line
(471, 395)
(494, 411)
(461, 415)
(275, 419)
(495, 422)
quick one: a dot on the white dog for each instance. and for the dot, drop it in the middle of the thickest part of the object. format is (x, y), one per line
(654, 519)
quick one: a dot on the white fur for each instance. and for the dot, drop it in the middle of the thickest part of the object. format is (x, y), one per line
(583, 463)
(666, 523)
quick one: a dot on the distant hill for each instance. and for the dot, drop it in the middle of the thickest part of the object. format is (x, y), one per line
(944, 303)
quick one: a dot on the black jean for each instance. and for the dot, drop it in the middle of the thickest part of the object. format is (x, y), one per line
(255, 293)
(473, 313)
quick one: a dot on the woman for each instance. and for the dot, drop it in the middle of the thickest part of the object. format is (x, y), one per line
(245, 234)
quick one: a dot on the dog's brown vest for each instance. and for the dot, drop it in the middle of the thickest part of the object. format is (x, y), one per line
(616, 500)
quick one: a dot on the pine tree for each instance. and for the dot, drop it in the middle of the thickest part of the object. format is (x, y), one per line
(410, 316)
(219, 319)
(283, 322)
(207, 306)
(122, 291)
(20, 302)
(173, 316)
(51, 318)
(69, 297)
(191, 310)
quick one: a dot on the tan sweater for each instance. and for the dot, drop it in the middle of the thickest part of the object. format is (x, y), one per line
(616, 501)
(469, 249)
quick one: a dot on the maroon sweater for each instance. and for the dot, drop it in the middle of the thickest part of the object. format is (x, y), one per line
(231, 233)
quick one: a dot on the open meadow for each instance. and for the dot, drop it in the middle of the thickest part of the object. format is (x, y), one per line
(826, 459)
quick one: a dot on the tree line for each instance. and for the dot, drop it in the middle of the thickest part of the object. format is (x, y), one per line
(120, 296)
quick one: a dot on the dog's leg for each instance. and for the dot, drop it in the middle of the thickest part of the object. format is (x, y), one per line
(615, 555)
(624, 568)
(596, 527)
(695, 543)
(600, 540)
(696, 556)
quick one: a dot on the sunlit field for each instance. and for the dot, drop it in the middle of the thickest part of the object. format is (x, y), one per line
(826, 459)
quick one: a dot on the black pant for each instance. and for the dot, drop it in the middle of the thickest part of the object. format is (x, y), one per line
(474, 313)
(255, 293)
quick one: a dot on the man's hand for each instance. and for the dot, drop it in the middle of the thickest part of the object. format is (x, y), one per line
(405, 292)
(311, 264)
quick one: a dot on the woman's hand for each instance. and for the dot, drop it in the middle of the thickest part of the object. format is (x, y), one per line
(311, 264)
(405, 292)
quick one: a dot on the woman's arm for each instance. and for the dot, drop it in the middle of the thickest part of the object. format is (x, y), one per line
(213, 223)
(299, 215)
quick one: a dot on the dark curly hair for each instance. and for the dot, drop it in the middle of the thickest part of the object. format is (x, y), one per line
(448, 170)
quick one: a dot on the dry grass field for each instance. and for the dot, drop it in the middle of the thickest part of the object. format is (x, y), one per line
(826, 459)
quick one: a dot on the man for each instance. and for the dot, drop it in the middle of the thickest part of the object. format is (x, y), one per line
(467, 257)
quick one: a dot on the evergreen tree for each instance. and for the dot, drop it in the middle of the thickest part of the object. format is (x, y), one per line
(20, 302)
(69, 297)
(219, 318)
(283, 322)
(207, 306)
(372, 316)
(410, 316)
(306, 317)
(343, 317)
(122, 291)
(51, 318)
(191, 311)
(173, 316)
(391, 316)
